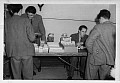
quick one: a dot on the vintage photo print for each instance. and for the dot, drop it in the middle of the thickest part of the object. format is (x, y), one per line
(60, 41)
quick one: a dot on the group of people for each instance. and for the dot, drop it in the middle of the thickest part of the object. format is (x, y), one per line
(21, 31)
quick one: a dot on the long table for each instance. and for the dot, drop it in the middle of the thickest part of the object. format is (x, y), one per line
(80, 54)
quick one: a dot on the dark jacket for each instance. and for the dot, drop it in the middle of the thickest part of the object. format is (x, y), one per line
(101, 44)
(19, 36)
(75, 37)
(38, 25)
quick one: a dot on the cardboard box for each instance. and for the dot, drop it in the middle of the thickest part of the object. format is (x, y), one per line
(56, 50)
(71, 49)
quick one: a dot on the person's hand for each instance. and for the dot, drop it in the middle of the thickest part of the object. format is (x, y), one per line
(112, 72)
(81, 47)
(81, 43)
(78, 44)
(42, 43)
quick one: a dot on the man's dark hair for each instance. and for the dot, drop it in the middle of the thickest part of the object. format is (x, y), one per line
(104, 13)
(30, 9)
(97, 21)
(82, 26)
(15, 8)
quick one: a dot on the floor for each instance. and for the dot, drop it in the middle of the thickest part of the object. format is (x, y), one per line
(52, 68)
(54, 73)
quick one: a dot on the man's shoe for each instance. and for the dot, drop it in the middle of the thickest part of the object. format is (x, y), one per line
(69, 78)
(81, 74)
(34, 73)
(39, 69)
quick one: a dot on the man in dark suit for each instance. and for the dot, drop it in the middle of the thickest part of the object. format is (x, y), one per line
(101, 47)
(37, 23)
(39, 30)
(79, 39)
(19, 36)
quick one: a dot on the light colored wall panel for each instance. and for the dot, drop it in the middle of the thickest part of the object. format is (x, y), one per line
(68, 11)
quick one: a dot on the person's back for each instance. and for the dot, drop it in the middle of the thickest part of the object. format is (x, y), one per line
(17, 35)
(107, 40)
(101, 47)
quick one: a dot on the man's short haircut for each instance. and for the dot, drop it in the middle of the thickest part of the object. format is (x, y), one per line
(82, 26)
(104, 13)
(15, 8)
(30, 9)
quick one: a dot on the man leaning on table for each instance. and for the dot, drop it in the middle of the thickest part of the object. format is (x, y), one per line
(39, 30)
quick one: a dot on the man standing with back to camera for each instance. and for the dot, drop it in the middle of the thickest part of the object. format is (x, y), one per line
(19, 36)
(39, 30)
(101, 46)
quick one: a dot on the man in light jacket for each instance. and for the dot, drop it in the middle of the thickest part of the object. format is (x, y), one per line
(19, 36)
(101, 47)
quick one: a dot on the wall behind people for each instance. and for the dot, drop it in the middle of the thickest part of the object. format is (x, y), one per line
(112, 9)
(66, 18)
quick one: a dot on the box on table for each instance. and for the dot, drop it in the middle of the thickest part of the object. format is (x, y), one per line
(44, 49)
(54, 47)
(36, 48)
(71, 49)
(56, 50)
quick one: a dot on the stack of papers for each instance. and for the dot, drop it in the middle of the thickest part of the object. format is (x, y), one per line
(36, 48)
(54, 47)
(54, 50)
(44, 49)
(68, 43)
(53, 44)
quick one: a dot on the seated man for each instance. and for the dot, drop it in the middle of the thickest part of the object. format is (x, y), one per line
(79, 39)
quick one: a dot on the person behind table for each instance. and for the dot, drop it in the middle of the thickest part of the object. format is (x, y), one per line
(19, 36)
(39, 29)
(101, 47)
(79, 39)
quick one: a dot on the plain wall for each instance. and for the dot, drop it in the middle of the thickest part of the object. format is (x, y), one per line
(69, 11)
(112, 9)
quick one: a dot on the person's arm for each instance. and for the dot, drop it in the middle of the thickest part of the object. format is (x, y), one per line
(90, 40)
(5, 33)
(42, 30)
(30, 31)
(83, 40)
(72, 37)
(114, 36)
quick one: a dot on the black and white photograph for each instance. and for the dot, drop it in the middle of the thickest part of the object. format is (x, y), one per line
(59, 41)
